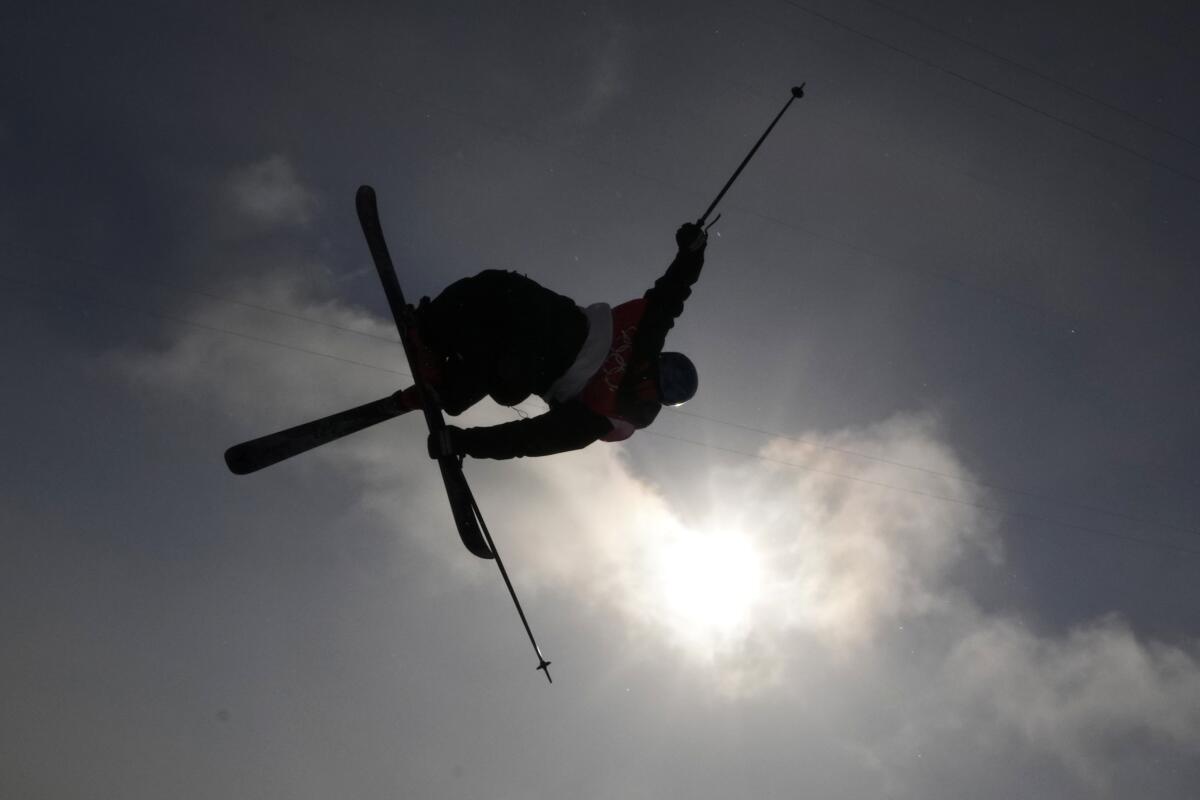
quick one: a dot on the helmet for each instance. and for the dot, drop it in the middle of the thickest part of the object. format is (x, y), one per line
(677, 379)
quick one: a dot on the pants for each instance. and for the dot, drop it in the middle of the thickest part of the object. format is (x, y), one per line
(501, 334)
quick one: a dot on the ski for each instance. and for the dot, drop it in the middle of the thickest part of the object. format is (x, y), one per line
(251, 456)
(457, 490)
(266, 450)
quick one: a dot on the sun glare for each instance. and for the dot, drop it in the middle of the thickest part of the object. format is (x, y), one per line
(708, 585)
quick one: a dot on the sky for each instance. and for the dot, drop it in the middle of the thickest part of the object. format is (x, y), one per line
(929, 529)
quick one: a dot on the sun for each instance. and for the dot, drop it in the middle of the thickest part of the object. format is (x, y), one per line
(708, 585)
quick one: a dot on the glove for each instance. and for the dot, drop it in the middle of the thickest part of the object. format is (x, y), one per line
(446, 442)
(691, 238)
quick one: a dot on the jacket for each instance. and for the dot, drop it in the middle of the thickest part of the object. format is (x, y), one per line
(571, 423)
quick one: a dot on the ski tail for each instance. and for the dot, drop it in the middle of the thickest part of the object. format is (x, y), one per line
(251, 456)
(459, 494)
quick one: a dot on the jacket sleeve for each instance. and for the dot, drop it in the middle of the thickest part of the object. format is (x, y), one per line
(664, 303)
(569, 426)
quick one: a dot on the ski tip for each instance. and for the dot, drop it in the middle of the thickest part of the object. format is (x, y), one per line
(238, 463)
(364, 201)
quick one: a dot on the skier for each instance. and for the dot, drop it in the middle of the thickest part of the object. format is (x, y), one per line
(601, 370)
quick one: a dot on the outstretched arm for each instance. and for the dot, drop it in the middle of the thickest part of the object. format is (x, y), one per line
(570, 426)
(664, 300)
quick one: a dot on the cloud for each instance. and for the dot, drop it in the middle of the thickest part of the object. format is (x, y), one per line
(260, 381)
(1085, 697)
(269, 192)
(606, 79)
(864, 554)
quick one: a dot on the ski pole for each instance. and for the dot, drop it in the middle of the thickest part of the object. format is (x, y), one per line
(543, 664)
(797, 92)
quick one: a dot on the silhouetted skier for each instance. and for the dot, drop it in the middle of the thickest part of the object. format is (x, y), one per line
(602, 370)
